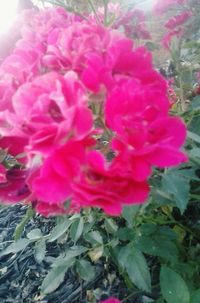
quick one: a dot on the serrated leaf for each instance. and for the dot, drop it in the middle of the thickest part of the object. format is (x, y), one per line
(111, 226)
(158, 246)
(40, 250)
(125, 233)
(193, 136)
(123, 255)
(56, 276)
(173, 287)
(178, 186)
(129, 213)
(138, 270)
(148, 229)
(85, 270)
(59, 230)
(76, 229)
(94, 237)
(136, 266)
(70, 253)
(16, 247)
(34, 234)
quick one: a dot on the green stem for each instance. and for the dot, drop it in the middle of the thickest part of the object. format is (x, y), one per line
(179, 70)
(20, 227)
(68, 8)
(105, 11)
(94, 10)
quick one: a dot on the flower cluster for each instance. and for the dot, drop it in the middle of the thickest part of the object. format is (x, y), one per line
(175, 23)
(132, 21)
(85, 115)
(162, 6)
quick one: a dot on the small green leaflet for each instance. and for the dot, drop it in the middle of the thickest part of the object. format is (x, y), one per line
(173, 287)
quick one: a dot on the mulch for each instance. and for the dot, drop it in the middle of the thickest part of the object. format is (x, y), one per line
(21, 275)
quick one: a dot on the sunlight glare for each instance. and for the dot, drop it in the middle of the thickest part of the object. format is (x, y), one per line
(8, 12)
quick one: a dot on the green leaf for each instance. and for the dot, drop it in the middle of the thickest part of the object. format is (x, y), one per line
(56, 276)
(158, 245)
(178, 186)
(195, 104)
(193, 136)
(148, 229)
(138, 270)
(70, 253)
(136, 266)
(59, 230)
(195, 152)
(85, 270)
(194, 127)
(123, 255)
(76, 229)
(129, 213)
(195, 298)
(125, 233)
(94, 237)
(16, 247)
(157, 242)
(173, 287)
(34, 234)
(40, 250)
(110, 226)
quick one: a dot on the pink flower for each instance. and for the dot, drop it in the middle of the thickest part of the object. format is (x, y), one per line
(15, 146)
(2, 174)
(166, 41)
(47, 209)
(133, 23)
(111, 300)
(178, 20)
(86, 181)
(47, 111)
(58, 171)
(162, 6)
(13, 187)
(144, 132)
(96, 181)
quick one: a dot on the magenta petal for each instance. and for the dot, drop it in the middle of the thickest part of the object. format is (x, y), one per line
(141, 169)
(58, 189)
(2, 174)
(111, 300)
(166, 156)
(138, 193)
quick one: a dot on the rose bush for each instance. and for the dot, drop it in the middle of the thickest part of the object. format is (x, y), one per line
(67, 82)
(90, 124)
